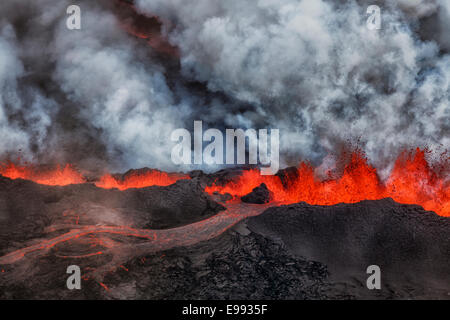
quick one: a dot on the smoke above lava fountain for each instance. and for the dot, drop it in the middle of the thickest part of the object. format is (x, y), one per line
(102, 97)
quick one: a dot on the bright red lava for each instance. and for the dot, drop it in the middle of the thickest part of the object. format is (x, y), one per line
(59, 176)
(62, 176)
(140, 180)
(412, 181)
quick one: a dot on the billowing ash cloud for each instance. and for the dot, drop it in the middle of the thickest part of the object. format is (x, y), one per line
(81, 95)
(313, 69)
(310, 68)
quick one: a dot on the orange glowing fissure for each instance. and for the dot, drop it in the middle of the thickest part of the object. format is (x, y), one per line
(140, 180)
(411, 181)
(62, 176)
(59, 176)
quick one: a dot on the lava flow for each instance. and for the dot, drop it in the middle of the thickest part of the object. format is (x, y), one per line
(140, 179)
(159, 239)
(412, 181)
(62, 176)
(59, 176)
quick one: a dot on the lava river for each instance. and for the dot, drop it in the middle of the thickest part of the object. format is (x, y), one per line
(158, 240)
(412, 181)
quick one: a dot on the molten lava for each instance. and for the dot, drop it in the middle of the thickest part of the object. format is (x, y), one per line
(412, 181)
(53, 177)
(67, 175)
(139, 179)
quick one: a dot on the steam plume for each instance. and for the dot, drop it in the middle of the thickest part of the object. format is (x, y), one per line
(310, 68)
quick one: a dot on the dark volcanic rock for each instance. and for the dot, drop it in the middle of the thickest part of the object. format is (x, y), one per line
(298, 251)
(259, 195)
(231, 266)
(220, 177)
(181, 203)
(26, 208)
(288, 175)
(409, 244)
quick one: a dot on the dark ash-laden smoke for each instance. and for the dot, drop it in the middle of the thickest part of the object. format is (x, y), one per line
(311, 68)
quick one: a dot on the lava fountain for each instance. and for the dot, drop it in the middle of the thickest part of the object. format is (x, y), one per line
(412, 181)
(139, 179)
(59, 176)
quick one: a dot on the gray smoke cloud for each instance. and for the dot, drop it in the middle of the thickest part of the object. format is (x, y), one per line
(84, 95)
(99, 96)
(315, 71)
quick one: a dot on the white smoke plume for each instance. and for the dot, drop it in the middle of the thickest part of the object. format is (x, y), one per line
(86, 89)
(314, 70)
(310, 68)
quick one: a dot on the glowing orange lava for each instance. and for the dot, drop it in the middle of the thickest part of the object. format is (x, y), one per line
(54, 177)
(140, 180)
(412, 181)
